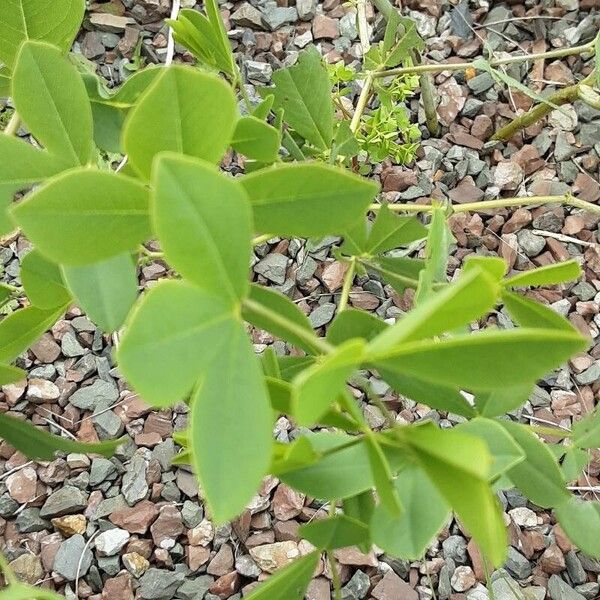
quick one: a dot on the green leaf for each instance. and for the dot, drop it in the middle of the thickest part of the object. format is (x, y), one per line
(494, 266)
(21, 166)
(538, 476)
(20, 591)
(500, 76)
(529, 313)
(43, 282)
(205, 37)
(339, 531)
(391, 231)
(110, 108)
(306, 200)
(344, 143)
(434, 395)
(503, 400)
(51, 99)
(262, 110)
(191, 113)
(204, 223)
(290, 582)
(438, 249)
(424, 513)
(304, 93)
(400, 272)
(172, 334)
(105, 290)
(269, 310)
(383, 477)
(448, 459)
(69, 217)
(574, 461)
(22, 328)
(467, 299)
(360, 507)
(353, 323)
(231, 425)
(10, 374)
(4, 82)
(256, 139)
(316, 388)
(38, 444)
(53, 21)
(581, 522)
(546, 275)
(484, 361)
(343, 472)
(505, 452)
(586, 433)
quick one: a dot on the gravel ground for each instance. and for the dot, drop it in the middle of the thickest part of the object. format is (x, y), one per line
(133, 526)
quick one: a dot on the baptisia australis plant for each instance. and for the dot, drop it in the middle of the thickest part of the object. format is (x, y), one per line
(186, 338)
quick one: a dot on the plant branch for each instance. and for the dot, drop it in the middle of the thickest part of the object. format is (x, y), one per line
(319, 344)
(363, 99)
(462, 66)
(564, 96)
(13, 125)
(348, 280)
(485, 205)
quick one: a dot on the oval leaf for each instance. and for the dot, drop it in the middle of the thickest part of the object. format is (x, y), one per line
(105, 290)
(204, 223)
(43, 281)
(424, 513)
(487, 360)
(538, 476)
(53, 21)
(190, 113)
(171, 335)
(52, 100)
(69, 218)
(38, 444)
(306, 199)
(231, 425)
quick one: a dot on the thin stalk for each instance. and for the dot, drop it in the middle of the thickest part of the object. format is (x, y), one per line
(261, 239)
(486, 205)
(239, 83)
(564, 96)
(463, 66)
(363, 99)
(429, 105)
(319, 344)
(13, 125)
(348, 280)
(335, 576)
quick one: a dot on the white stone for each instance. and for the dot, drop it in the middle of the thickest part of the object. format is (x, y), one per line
(110, 542)
(523, 516)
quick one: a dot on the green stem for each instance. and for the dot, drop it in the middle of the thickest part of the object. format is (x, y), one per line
(239, 83)
(565, 96)
(486, 205)
(261, 239)
(438, 68)
(429, 105)
(13, 125)
(319, 344)
(9, 576)
(362, 103)
(335, 576)
(348, 280)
